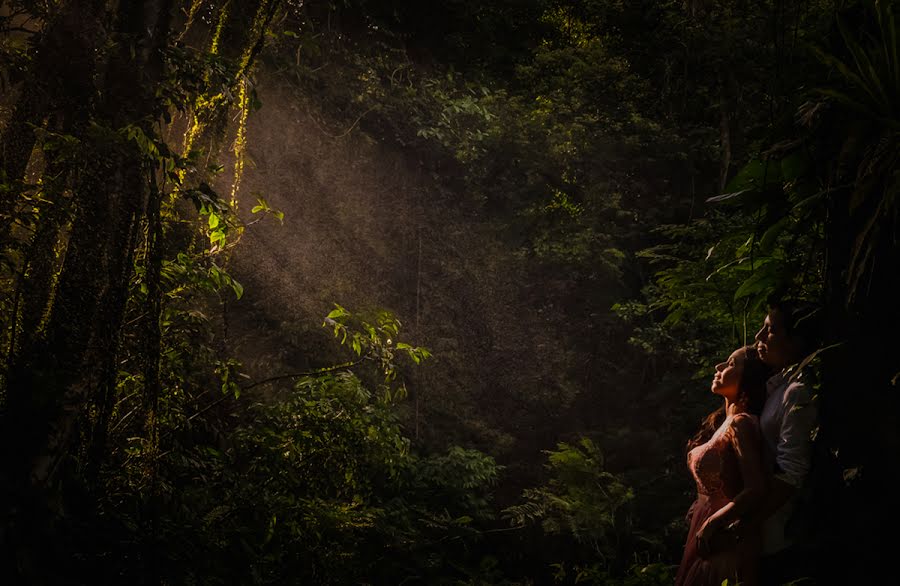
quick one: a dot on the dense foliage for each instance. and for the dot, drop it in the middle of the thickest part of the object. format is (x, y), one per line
(632, 180)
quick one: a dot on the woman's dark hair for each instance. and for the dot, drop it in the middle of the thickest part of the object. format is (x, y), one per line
(751, 390)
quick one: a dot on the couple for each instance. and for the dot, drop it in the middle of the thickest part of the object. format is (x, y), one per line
(750, 459)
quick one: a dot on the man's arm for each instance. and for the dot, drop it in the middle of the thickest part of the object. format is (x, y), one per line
(793, 454)
(778, 494)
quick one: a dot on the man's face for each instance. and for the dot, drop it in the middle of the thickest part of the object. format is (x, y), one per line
(774, 344)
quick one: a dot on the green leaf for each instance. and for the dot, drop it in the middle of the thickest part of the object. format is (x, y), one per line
(794, 166)
(216, 275)
(337, 312)
(807, 202)
(213, 221)
(767, 242)
(727, 196)
(754, 175)
(762, 280)
(270, 532)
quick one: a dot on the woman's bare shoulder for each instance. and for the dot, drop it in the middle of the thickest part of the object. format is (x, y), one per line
(745, 423)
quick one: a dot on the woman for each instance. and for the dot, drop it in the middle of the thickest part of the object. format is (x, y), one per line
(726, 462)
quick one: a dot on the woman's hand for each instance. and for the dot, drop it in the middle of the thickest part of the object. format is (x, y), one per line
(710, 537)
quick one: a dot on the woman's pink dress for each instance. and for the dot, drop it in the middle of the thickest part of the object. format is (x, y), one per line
(721, 467)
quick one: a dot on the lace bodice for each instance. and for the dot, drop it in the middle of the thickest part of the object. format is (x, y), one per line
(714, 465)
(722, 468)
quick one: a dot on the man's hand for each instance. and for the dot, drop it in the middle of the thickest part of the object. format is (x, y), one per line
(713, 538)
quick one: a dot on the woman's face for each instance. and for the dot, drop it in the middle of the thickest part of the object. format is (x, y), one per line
(728, 376)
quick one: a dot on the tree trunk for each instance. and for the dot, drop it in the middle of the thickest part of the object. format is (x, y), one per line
(59, 79)
(43, 257)
(859, 402)
(59, 374)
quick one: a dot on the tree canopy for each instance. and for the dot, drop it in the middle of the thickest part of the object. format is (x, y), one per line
(527, 230)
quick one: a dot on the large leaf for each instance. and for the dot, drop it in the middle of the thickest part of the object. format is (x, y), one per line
(764, 279)
(755, 175)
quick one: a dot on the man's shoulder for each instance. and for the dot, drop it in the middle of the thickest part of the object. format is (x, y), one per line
(790, 385)
(797, 391)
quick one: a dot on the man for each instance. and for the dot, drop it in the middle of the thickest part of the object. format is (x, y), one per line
(787, 423)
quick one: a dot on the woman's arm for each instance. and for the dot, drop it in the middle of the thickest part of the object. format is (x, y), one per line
(745, 438)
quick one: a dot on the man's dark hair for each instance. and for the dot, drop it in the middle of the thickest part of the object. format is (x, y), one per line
(802, 320)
